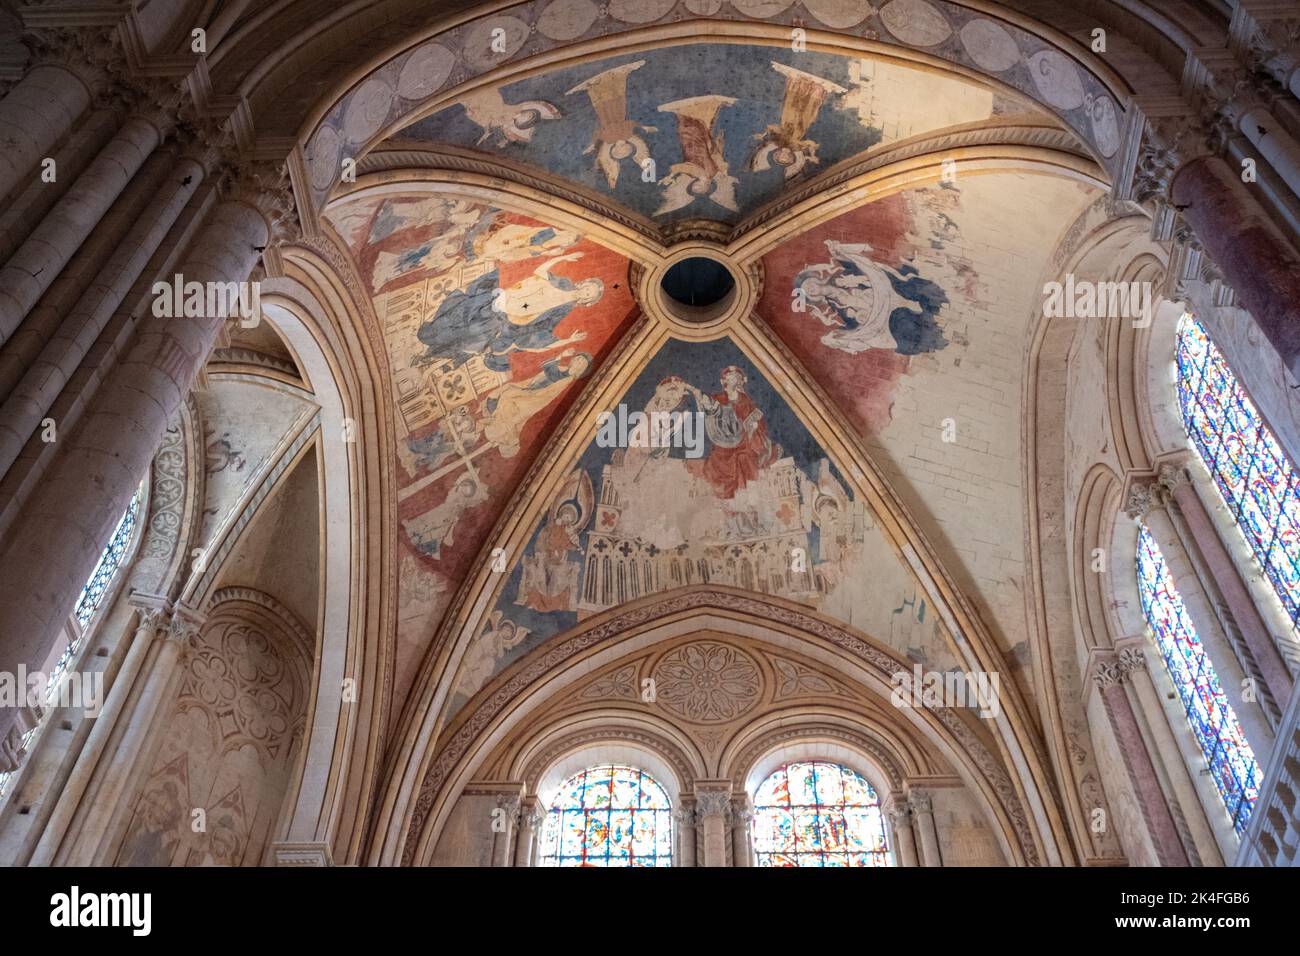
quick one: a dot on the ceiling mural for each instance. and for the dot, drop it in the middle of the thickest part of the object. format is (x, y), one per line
(708, 131)
(912, 312)
(744, 497)
(857, 298)
(490, 319)
(416, 78)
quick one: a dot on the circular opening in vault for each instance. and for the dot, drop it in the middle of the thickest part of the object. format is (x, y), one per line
(698, 282)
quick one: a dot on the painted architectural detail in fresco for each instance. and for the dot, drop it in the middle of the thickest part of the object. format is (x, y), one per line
(490, 319)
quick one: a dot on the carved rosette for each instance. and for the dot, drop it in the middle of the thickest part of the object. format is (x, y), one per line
(707, 682)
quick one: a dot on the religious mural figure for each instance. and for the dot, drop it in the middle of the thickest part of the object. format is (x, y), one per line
(549, 581)
(437, 527)
(616, 137)
(739, 444)
(703, 171)
(870, 305)
(510, 122)
(500, 635)
(786, 143)
(516, 242)
(485, 319)
(510, 408)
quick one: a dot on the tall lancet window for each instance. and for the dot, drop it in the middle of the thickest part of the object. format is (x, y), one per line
(609, 816)
(1252, 473)
(818, 814)
(92, 596)
(1232, 763)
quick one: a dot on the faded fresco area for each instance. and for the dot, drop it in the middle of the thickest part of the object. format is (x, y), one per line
(492, 321)
(761, 508)
(699, 131)
(857, 298)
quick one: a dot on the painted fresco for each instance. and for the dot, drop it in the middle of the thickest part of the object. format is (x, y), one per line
(703, 131)
(906, 101)
(758, 506)
(863, 295)
(491, 319)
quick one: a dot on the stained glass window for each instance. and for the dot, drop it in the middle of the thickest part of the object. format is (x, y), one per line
(1232, 763)
(818, 814)
(609, 816)
(1254, 476)
(92, 595)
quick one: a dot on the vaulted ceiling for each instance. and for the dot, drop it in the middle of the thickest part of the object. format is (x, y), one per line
(888, 218)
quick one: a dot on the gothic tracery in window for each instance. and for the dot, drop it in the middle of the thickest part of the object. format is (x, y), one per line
(609, 816)
(1231, 760)
(818, 814)
(1251, 471)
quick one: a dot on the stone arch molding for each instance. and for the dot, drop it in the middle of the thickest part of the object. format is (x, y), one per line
(430, 71)
(901, 743)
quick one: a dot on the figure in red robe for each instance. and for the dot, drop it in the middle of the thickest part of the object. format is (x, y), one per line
(737, 433)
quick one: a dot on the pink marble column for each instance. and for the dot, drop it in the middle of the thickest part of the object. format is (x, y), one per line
(34, 116)
(1257, 260)
(1255, 633)
(1110, 676)
(54, 543)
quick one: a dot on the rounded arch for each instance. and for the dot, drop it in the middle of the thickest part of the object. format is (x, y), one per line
(317, 318)
(496, 712)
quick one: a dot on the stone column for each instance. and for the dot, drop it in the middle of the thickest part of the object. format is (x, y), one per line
(151, 616)
(923, 819)
(898, 814)
(1147, 505)
(41, 258)
(507, 821)
(46, 103)
(531, 817)
(51, 361)
(54, 543)
(712, 808)
(684, 821)
(1110, 675)
(106, 804)
(1256, 259)
(742, 819)
(1254, 632)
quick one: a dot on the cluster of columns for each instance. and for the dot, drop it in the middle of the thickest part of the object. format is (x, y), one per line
(90, 376)
(92, 809)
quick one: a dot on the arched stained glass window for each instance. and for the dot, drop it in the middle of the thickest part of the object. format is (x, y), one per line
(818, 814)
(92, 595)
(1249, 467)
(609, 816)
(1232, 763)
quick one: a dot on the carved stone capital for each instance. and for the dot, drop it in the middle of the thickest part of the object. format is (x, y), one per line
(184, 626)
(1145, 497)
(920, 801)
(1168, 143)
(1173, 476)
(712, 803)
(94, 54)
